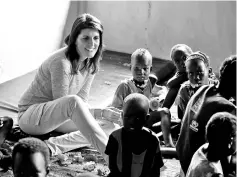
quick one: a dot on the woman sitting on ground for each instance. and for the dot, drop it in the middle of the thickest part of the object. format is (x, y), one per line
(57, 98)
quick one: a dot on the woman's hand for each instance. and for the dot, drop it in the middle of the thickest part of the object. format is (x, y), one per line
(109, 114)
(113, 115)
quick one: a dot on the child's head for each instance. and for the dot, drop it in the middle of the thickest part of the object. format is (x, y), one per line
(178, 54)
(197, 67)
(228, 77)
(30, 158)
(141, 63)
(221, 133)
(135, 111)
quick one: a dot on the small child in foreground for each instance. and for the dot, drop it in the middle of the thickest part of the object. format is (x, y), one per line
(134, 150)
(30, 157)
(221, 135)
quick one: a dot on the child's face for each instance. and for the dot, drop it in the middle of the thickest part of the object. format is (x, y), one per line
(141, 68)
(132, 123)
(134, 119)
(29, 165)
(179, 61)
(197, 72)
(228, 146)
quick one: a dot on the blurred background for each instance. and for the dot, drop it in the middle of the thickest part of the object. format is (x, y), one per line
(30, 30)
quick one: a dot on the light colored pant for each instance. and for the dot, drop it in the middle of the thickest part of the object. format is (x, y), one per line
(45, 117)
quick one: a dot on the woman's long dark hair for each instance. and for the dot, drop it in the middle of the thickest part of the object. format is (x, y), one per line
(84, 21)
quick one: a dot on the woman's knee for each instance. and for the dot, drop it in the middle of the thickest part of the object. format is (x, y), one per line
(74, 100)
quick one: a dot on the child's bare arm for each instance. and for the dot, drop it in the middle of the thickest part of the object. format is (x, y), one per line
(170, 97)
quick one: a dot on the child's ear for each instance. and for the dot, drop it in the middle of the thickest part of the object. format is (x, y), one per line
(210, 70)
(147, 117)
(122, 115)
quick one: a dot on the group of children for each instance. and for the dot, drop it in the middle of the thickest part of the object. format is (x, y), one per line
(134, 149)
(128, 146)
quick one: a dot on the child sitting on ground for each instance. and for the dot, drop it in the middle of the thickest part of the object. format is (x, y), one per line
(134, 150)
(141, 82)
(197, 67)
(178, 54)
(30, 157)
(208, 100)
(220, 135)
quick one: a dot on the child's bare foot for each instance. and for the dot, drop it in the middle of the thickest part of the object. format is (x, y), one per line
(169, 145)
(6, 124)
(169, 142)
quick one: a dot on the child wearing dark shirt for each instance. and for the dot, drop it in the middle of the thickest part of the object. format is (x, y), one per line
(133, 150)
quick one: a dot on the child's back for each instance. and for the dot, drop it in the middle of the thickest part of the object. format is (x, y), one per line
(221, 135)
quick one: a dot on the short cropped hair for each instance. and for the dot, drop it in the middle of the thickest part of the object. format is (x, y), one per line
(138, 103)
(228, 68)
(31, 145)
(180, 48)
(227, 76)
(141, 53)
(221, 126)
(199, 56)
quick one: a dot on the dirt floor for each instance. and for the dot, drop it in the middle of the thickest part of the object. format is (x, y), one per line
(87, 161)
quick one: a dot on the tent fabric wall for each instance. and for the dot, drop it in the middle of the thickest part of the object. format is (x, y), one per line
(158, 25)
(29, 31)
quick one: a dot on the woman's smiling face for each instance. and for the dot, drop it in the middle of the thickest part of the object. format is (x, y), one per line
(87, 43)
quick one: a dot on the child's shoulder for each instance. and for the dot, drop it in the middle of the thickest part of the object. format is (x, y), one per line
(185, 84)
(149, 134)
(117, 133)
(177, 79)
(213, 81)
(126, 82)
